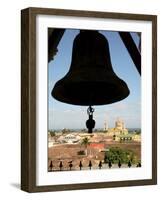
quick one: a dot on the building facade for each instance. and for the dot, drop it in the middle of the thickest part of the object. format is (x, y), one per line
(119, 129)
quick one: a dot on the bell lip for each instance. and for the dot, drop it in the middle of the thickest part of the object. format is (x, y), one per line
(103, 104)
(119, 98)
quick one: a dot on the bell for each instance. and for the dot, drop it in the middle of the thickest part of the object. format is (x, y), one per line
(90, 79)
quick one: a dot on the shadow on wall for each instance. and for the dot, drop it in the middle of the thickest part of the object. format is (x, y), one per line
(15, 185)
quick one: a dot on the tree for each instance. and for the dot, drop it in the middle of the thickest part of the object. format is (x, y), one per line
(52, 133)
(64, 131)
(84, 130)
(85, 142)
(137, 132)
(116, 154)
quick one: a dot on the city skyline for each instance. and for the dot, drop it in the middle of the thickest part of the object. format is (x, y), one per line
(61, 115)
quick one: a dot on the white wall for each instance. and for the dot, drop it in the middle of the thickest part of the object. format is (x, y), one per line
(10, 97)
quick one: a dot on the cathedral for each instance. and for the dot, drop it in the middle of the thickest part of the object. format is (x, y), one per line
(119, 128)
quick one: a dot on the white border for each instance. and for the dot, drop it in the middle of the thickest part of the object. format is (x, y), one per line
(145, 172)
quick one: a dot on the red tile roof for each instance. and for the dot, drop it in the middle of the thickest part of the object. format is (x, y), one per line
(97, 145)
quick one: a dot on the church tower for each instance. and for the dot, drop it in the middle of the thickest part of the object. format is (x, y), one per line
(105, 126)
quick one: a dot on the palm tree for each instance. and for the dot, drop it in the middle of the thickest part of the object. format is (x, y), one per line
(85, 142)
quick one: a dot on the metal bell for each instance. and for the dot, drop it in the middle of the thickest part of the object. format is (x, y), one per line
(90, 79)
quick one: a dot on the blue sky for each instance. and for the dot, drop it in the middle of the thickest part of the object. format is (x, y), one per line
(61, 115)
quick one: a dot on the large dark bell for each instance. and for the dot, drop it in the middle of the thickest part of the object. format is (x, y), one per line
(90, 79)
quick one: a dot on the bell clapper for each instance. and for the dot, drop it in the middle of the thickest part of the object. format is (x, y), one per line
(90, 123)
